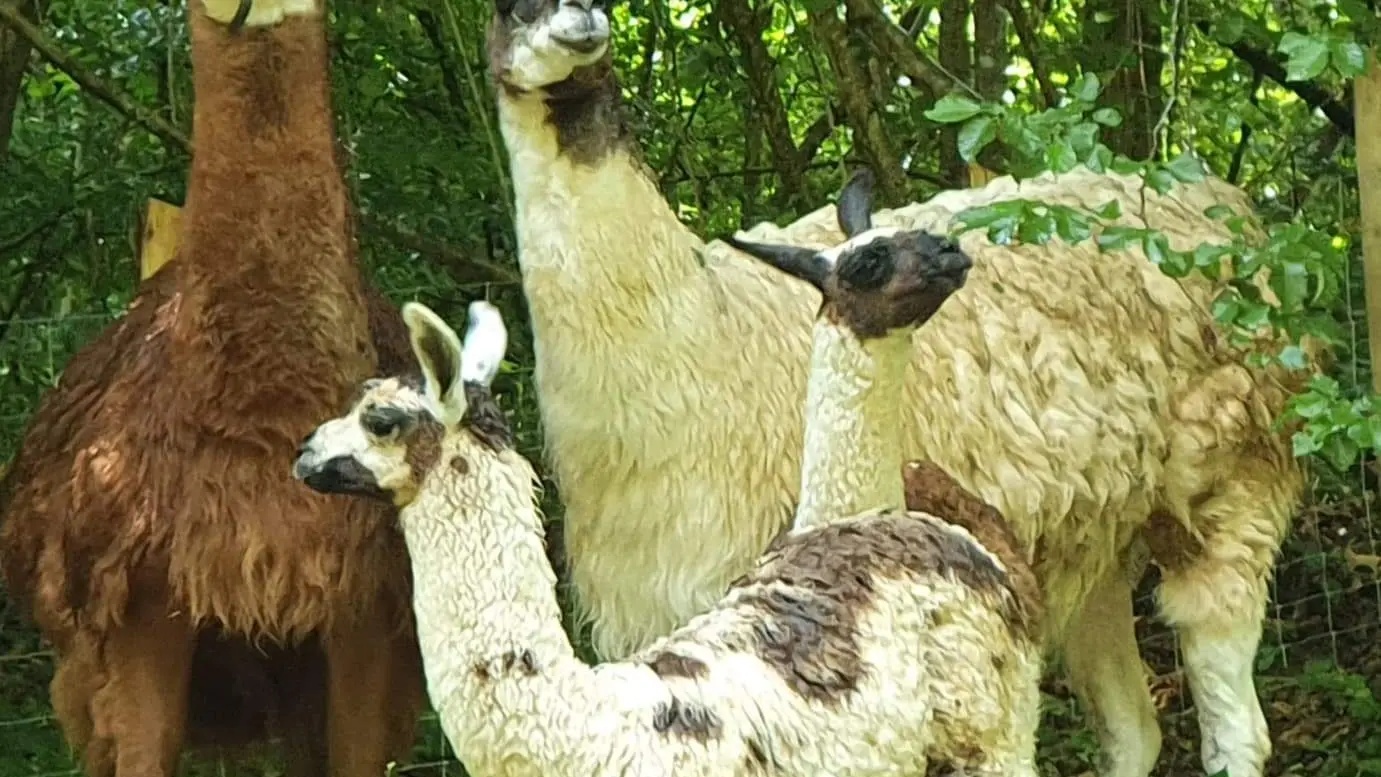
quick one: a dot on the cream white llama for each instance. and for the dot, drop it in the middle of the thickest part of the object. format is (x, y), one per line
(878, 644)
(1089, 397)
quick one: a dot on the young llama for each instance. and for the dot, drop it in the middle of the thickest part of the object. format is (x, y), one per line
(194, 592)
(882, 643)
(671, 373)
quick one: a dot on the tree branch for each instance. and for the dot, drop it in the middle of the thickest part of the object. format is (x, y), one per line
(463, 268)
(1026, 35)
(88, 81)
(1312, 94)
(870, 137)
(896, 45)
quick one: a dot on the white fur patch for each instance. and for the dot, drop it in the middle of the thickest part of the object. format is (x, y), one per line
(537, 57)
(486, 341)
(262, 13)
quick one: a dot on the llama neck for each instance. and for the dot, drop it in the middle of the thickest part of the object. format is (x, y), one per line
(598, 244)
(853, 457)
(485, 601)
(267, 226)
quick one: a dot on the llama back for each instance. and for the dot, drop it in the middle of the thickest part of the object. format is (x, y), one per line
(1056, 386)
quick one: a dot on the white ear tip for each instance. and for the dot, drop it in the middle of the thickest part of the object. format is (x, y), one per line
(486, 340)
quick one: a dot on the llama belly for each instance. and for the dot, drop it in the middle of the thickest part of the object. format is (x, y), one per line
(684, 542)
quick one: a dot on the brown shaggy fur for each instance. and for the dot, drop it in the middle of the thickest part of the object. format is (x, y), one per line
(194, 592)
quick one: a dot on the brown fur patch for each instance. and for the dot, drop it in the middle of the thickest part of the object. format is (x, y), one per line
(812, 588)
(686, 719)
(668, 664)
(523, 660)
(1171, 544)
(760, 759)
(424, 446)
(893, 282)
(155, 476)
(460, 465)
(485, 419)
(929, 489)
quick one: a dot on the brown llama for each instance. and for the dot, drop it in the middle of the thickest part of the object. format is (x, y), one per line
(195, 594)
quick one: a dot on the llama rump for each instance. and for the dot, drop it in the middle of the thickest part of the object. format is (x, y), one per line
(1090, 398)
(195, 594)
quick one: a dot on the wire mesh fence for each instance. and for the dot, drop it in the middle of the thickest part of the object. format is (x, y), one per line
(1323, 624)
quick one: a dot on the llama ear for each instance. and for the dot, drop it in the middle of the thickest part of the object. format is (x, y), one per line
(486, 340)
(855, 208)
(438, 351)
(804, 263)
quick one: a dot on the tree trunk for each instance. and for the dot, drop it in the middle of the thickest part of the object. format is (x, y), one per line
(955, 59)
(14, 60)
(1126, 44)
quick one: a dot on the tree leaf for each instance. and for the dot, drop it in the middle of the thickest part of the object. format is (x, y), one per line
(1292, 356)
(1083, 137)
(1086, 88)
(1308, 55)
(1229, 28)
(1217, 212)
(1060, 156)
(1109, 210)
(1100, 159)
(1160, 179)
(1186, 168)
(952, 109)
(974, 135)
(1348, 57)
(1108, 117)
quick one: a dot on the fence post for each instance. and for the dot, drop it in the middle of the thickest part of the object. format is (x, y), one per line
(1366, 96)
(160, 234)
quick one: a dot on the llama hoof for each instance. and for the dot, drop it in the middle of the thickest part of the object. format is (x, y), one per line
(257, 13)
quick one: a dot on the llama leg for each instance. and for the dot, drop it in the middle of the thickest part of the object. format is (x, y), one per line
(1105, 672)
(142, 707)
(374, 697)
(1214, 594)
(74, 686)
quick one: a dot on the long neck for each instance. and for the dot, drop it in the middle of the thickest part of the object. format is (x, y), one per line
(597, 242)
(483, 593)
(853, 456)
(267, 253)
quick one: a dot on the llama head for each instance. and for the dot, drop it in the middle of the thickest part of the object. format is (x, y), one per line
(259, 13)
(879, 280)
(397, 430)
(535, 44)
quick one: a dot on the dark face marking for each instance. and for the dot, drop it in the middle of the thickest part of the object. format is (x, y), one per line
(686, 719)
(668, 664)
(929, 489)
(384, 421)
(894, 282)
(345, 475)
(460, 465)
(811, 590)
(423, 445)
